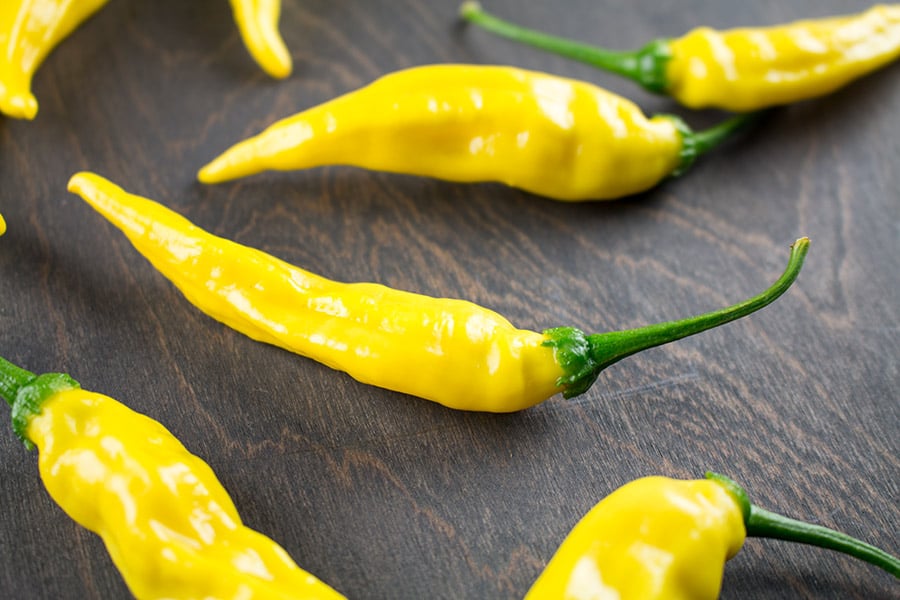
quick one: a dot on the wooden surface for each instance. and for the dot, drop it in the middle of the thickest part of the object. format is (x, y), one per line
(387, 496)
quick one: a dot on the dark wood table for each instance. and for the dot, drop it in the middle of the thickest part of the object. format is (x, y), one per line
(388, 496)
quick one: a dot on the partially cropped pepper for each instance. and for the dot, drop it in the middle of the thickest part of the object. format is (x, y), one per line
(169, 526)
(552, 136)
(658, 538)
(29, 30)
(449, 351)
(2, 225)
(257, 21)
(742, 69)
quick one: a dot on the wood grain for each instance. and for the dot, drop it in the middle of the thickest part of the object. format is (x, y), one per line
(386, 496)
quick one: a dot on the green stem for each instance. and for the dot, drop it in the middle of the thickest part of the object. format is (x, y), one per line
(695, 144)
(646, 66)
(25, 392)
(762, 523)
(582, 357)
(12, 379)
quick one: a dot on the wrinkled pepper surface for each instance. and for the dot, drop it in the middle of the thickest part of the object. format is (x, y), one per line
(29, 30)
(169, 526)
(556, 137)
(658, 538)
(743, 69)
(449, 351)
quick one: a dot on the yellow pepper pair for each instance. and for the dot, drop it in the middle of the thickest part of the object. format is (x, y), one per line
(658, 538)
(169, 526)
(30, 29)
(743, 69)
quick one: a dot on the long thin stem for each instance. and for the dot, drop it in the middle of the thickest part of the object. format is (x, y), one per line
(695, 144)
(645, 66)
(608, 348)
(762, 523)
(765, 524)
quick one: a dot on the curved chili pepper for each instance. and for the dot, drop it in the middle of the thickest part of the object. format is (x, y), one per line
(169, 526)
(449, 351)
(257, 21)
(740, 69)
(552, 136)
(29, 30)
(661, 538)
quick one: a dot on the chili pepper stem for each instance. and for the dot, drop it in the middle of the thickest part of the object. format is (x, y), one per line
(697, 143)
(25, 392)
(762, 523)
(583, 357)
(646, 66)
(12, 379)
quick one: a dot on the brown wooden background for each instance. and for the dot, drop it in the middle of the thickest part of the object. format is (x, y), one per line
(386, 496)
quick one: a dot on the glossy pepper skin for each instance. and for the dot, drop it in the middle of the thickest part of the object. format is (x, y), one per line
(742, 69)
(29, 30)
(257, 21)
(169, 526)
(449, 351)
(556, 137)
(658, 538)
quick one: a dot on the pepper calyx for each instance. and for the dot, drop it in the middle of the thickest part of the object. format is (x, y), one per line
(738, 494)
(32, 396)
(573, 352)
(651, 62)
(697, 143)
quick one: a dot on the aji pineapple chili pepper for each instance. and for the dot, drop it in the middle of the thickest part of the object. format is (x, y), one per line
(741, 69)
(449, 351)
(661, 538)
(169, 526)
(29, 30)
(552, 136)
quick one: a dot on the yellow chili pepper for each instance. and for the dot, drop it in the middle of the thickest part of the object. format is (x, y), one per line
(740, 69)
(257, 21)
(29, 30)
(552, 136)
(169, 526)
(2, 225)
(657, 538)
(449, 351)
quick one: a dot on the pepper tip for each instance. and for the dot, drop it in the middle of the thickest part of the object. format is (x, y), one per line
(21, 105)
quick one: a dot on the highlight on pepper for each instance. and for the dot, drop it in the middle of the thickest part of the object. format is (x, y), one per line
(556, 137)
(449, 351)
(657, 538)
(743, 69)
(30, 29)
(169, 526)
